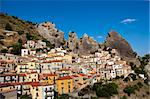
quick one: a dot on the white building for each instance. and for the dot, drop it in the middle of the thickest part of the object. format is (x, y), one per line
(24, 52)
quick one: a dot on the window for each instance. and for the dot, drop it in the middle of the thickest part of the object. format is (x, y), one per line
(36, 89)
(37, 94)
(68, 82)
(62, 90)
(69, 90)
(69, 86)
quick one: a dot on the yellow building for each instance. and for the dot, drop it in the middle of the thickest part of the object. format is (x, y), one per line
(31, 65)
(48, 78)
(65, 85)
(67, 59)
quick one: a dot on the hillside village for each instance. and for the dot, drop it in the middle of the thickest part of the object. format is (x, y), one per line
(50, 68)
(39, 75)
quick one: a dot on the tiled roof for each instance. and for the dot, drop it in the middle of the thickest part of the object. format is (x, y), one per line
(35, 84)
(49, 74)
(74, 75)
(82, 74)
(64, 69)
(8, 74)
(65, 78)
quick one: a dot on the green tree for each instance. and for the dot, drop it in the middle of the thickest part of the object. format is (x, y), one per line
(123, 97)
(25, 97)
(102, 92)
(4, 51)
(63, 96)
(140, 84)
(48, 44)
(20, 41)
(106, 90)
(8, 27)
(20, 32)
(129, 90)
(29, 36)
(16, 49)
(126, 79)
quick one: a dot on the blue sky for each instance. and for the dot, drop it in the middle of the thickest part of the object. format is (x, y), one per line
(94, 17)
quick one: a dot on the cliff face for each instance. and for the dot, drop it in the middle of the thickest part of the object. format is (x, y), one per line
(13, 29)
(25, 30)
(49, 32)
(84, 45)
(73, 42)
(115, 41)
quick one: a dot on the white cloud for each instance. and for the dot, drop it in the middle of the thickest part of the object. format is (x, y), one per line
(126, 21)
(99, 36)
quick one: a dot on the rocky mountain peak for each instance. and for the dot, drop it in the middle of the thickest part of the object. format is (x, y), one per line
(73, 41)
(48, 24)
(113, 33)
(85, 35)
(115, 41)
(85, 45)
(51, 33)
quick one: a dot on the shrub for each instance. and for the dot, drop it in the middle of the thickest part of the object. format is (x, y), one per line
(96, 85)
(123, 97)
(25, 97)
(8, 27)
(20, 41)
(16, 49)
(29, 36)
(20, 32)
(129, 90)
(48, 44)
(63, 96)
(106, 90)
(126, 79)
(140, 84)
(4, 51)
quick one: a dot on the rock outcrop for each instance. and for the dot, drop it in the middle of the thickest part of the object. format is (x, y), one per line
(84, 45)
(115, 41)
(73, 42)
(49, 32)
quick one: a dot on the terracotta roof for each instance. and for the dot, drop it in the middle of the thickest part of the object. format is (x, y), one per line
(82, 74)
(74, 75)
(16, 83)
(64, 69)
(23, 74)
(35, 84)
(8, 74)
(64, 78)
(50, 74)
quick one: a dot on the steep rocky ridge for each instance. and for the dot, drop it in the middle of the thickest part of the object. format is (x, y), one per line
(115, 41)
(84, 45)
(19, 29)
(49, 32)
(13, 29)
